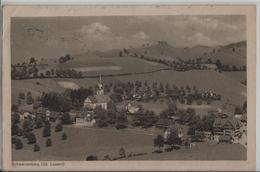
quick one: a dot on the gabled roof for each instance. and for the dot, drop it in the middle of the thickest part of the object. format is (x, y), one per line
(163, 121)
(226, 122)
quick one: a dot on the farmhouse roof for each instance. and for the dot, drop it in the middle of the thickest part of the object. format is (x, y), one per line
(163, 122)
(226, 123)
(100, 99)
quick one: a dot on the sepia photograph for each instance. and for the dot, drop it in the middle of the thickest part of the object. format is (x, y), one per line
(129, 88)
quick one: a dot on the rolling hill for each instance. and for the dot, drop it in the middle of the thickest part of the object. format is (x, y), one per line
(93, 63)
(232, 54)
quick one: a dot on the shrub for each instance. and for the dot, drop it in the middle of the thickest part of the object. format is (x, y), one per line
(65, 119)
(38, 123)
(31, 138)
(18, 144)
(122, 153)
(14, 129)
(48, 142)
(36, 148)
(27, 125)
(22, 96)
(20, 132)
(120, 126)
(64, 136)
(199, 102)
(107, 157)
(91, 158)
(58, 128)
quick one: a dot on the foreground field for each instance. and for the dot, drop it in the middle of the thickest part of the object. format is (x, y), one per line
(85, 141)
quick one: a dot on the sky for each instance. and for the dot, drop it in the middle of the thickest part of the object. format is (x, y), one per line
(56, 35)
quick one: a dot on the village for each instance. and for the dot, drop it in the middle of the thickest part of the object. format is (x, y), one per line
(124, 109)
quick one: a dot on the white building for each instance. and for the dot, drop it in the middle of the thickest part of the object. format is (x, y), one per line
(99, 99)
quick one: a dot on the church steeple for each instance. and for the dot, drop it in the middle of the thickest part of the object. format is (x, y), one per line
(100, 89)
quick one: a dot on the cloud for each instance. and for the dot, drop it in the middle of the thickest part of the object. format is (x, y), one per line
(94, 28)
(200, 39)
(141, 35)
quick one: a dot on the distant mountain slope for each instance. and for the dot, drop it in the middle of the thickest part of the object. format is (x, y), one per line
(233, 54)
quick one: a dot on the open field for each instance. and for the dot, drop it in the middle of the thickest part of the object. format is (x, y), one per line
(238, 76)
(83, 141)
(201, 151)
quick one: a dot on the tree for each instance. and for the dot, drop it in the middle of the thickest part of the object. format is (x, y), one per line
(91, 158)
(173, 138)
(66, 119)
(244, 106)
(18, 144)
(122, 153)
(36, 148)
(46, 131)
(21, 96)
(32, 60)
(15, 117)
(238, 110)
(29, 98)
(27, 125)
(14, 129)
(47, 73)
(191, 130)
(48, 142)
(158, 142)
(58, 127)
(64, 136)
(31, 138)
(234, 68)
(120, 53)
(107, 157)
(56, 102)
(38, 122)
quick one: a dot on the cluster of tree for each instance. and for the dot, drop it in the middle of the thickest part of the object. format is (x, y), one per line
(143, 91)
(201, 124)
(64, 59)
(144, 119)
(228, 68)
(26, 70)
(172, 140)
(111, 117)
(243, 82)
(79, 95)
(28, 98)
(59, 102)
(68, 73)
(241, 109)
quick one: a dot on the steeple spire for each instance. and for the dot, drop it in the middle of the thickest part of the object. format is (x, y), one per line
(100, 90)
(100, 80)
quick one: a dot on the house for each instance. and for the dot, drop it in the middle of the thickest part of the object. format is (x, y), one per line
(85, 119)
(24, 115)
(206, 135)
(226, 127)
(97, 100)
(132, 107)
(173, 128)
(163, 123)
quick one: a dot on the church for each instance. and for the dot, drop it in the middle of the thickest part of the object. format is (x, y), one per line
(100, 99)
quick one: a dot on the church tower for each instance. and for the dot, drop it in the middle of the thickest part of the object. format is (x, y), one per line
(100, 89)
